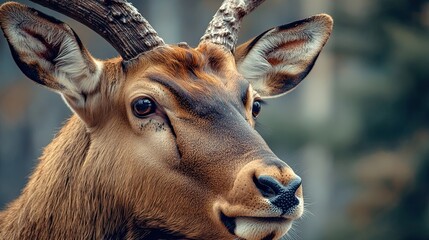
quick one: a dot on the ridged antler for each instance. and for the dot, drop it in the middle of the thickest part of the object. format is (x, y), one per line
(223, 28)
(118, 21)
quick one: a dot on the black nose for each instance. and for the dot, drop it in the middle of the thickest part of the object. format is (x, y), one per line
(278, 194)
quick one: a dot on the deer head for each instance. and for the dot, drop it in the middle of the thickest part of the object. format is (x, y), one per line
(162, 143)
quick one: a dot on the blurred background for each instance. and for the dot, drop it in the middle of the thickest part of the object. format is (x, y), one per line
(356, 130)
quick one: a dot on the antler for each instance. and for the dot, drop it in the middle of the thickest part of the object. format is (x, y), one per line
(117, 21)
(223, 28)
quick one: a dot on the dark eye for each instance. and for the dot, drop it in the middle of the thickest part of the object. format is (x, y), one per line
(143, 107)
(256, 108)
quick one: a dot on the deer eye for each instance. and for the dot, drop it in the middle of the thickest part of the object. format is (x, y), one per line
(143, 107)
(256, 108)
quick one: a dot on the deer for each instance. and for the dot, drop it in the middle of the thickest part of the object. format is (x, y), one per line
(161, 143)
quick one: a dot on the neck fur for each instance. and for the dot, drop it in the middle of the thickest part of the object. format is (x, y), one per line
(54, 204)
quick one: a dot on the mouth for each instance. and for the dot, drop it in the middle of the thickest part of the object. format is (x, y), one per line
(256, 228)
(228, 222)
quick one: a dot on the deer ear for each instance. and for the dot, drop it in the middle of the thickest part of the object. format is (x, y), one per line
(278, 59)
(50, 53)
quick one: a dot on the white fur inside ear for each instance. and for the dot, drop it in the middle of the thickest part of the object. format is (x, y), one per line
(255, 65)
(86, 83)
(50, 53)
(70, 68)
(73, 72)
(288, 51)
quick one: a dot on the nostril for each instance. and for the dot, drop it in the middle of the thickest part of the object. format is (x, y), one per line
(278, 194)
(268, 186)
(287, 200)
(294, 185)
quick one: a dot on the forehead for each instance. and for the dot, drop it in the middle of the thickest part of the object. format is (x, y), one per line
(183, 62)
(198, 78)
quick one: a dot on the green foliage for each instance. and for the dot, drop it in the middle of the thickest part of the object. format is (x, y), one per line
(395, 104)
(391, 43)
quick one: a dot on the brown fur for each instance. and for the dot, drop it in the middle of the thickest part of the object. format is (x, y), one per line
(180, 172)
(70, 194)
